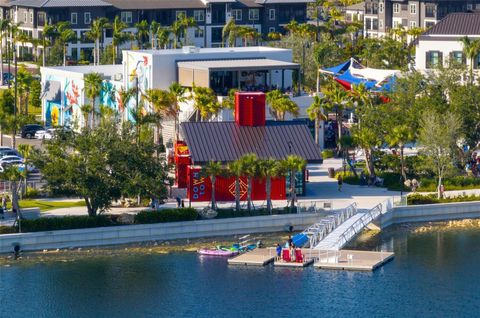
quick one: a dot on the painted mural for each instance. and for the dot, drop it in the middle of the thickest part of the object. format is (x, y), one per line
(110, 96)
(65, 111)
(139, 69)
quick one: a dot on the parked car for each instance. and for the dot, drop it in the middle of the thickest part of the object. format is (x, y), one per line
(45, 133)
(11, 160)
(28, 131)
(7, 151)
(6, 78)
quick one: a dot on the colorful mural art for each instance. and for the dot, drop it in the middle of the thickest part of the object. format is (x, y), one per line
(139, 71)
(66, 110)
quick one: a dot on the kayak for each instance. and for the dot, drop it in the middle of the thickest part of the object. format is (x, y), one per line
(217, 252)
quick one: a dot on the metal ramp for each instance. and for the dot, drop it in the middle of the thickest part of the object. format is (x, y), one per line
(318, 231)
(342, 234)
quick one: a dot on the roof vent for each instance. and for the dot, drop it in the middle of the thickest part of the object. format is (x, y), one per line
(190, 49)
(118, 77)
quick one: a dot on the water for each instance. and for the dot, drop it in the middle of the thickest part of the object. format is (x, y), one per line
(434, 274)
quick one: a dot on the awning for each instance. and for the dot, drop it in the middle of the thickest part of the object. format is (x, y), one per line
(238, 65)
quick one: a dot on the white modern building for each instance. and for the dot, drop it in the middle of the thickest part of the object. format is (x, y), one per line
(442, 44)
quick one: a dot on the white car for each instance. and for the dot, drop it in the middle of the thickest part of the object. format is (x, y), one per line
(45, 134)
(11, 160)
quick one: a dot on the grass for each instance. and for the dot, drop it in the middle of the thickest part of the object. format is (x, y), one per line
(47, 205)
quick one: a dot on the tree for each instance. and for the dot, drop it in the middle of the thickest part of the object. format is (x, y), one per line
(48, 31)
(291, 165)
(438, 136)
(235, 169)
(65, 36)
(163, 106)
(268, 169)
(7, 103)
(96, 34)
(34, 96)
(119, 36)
(205, 102)
(249, 166)
(143, 31)
(315, 112)
(177, 92)
(163, 36)
(93, 87)
(213, 169)
(4, 26)
(337, 99)
(16, 177)
(180, 29)
(25, 151)
(230, 33)
(154, 28)
(281, 104)
(24, 81)
(471, 48)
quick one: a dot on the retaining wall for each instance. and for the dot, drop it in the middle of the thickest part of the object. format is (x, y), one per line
(150, 232)
(430, 213)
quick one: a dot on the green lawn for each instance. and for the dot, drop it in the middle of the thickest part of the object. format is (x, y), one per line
(48, 205)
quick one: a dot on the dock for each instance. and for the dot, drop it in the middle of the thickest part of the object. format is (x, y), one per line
(257, 257)
(352, 260)
(308, 258)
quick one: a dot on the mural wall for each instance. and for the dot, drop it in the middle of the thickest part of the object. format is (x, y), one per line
(65, 110)
(139, 70)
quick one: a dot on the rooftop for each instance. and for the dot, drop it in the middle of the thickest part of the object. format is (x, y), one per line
(157, 4)
(227, 141)
(59, 3)
(210, 50)
(235, 65)
(356, 7)
(461, 24)
(106, 70)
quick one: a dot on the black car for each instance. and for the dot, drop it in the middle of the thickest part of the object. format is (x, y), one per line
(28, 131)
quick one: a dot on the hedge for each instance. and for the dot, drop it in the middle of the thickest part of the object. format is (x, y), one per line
(166, 215)
(231, 213)
(417, 198)
(328, 153)
(65, 223)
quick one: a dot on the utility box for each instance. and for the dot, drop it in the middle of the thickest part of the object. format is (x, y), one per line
(250, 108)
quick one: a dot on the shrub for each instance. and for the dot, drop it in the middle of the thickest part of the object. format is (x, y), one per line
(31, 193)
(231, 213)
(451, 183)
(328, 153)
(417, 198)
(348, 177)
(65, 223)
(7, 229)
(166, 215)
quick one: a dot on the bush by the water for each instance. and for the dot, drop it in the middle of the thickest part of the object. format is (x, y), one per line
(328, 153)
(452, 183)
(166, 215)
(417, 198)
(231, 213)
(66, 223)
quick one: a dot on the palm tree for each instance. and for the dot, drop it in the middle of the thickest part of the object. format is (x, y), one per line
(26, 152)
(229, 33)
(48, 31)
(177, 92)
(249, 169)
(163, 36)
(213, 169)
(268, 169)
(248, 33)
(118, 35)
(163, 104)
(143, 32)
(125, 96)
(281, 104)
(154, 28)
(66, 35)
(235, 169)
(205, 102)
(4, 26)
(93, 87)
(24, 80)
(96, 34)
(471, 49)
(336, 99)
(292, 164)
(398, 137)
(315, 112)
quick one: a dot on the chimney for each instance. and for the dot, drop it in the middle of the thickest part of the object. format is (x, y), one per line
(250, 108)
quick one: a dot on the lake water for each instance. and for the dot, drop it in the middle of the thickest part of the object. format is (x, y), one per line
(434, 274)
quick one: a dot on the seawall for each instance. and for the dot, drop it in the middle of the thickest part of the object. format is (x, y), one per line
(430, 213)
(150, 232)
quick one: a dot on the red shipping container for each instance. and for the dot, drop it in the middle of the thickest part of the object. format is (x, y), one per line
(250, 108)
(199, 188)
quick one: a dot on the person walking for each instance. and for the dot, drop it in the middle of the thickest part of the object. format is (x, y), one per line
(340, 182)
(4, 203)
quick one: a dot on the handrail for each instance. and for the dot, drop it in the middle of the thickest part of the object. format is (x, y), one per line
(366, 219)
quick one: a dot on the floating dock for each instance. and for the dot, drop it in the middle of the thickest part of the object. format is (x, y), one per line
(257, 257)
(351, 260)
(308, 258)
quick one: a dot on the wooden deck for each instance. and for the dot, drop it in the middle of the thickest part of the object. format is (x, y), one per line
(308, 258)
(352, 260)
(257, 257)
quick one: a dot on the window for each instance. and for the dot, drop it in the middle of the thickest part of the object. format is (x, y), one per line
(476, 62)
(413, 24)
(381, 6)
(271, 30)
(73, 18)
(25, 16)
(41, 19)
(396, 24)
(469, 7)
(429, 24)
(396, 8)
(271, 14)
(430, 11)
(237, 14)
(199, 15)
(380, 24)
(413, 9)
(374, 24)
(31, 17)
(198, 33)
(457, 57)
(180, 14)
(253, 14)
(87, 18)
(126, 16)
(433, 59)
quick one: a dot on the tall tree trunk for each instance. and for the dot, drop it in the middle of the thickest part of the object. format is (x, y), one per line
(90, 209)
(317, 128)
(339, 124)
(369, 162)
(269, 193)
(293, 191)
(1, 61)
(64, 55)
(237, 194)
(95, 53)
(44, 52)
(402, 163)
(439, 194)
(14, 141)
(249, 193)
(213, 192)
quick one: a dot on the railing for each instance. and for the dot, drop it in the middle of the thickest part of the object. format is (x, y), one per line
(314, 206)
(361, 223)
(320, 230)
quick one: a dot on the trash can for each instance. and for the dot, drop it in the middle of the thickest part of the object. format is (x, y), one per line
(331, 172)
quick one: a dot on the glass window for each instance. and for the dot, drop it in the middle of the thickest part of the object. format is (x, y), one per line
(271, 14)
(457, 57)
(198, 33)
(476, 62)
(396, 24)
(126, 16)
(430, 11)
(199, 15)
(237, 14)
(434, 59)
(41, 19)
(413, 24)
(396, 8)
(25, 15)
(73, 18)
(381, 5)
(180, 14)
(380, 24)
(253, 14)
(31, 17)
(413, 9)
(429, 24)
(87, 18)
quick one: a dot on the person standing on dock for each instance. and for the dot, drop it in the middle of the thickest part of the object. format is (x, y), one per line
(279, 251)
(340, 182)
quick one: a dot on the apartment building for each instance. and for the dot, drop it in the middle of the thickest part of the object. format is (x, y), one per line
(211, 15)
(380, 16)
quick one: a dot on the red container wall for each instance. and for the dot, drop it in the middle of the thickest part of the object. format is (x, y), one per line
(199, 188)
(250, 109)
